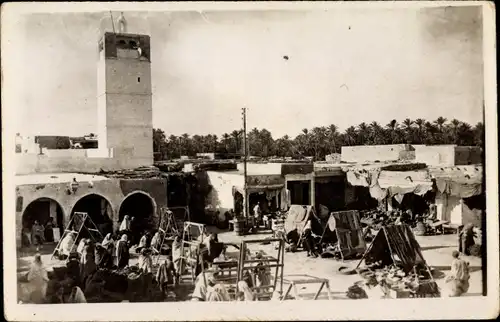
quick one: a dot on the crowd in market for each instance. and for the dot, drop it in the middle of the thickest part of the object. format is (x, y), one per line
(84, 280)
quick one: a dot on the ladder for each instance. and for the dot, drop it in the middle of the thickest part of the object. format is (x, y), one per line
(77, 223)
(168, 228)
(188, 256)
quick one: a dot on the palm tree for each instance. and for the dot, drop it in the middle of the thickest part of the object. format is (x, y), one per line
(185, 144)
(408, 130)
(453, 131)
(440, 123)
(420, 133)
(332, 138)
(376, 133)
(392, 126)
(363, 134)
(225, 141)
(350, 135)
(479, 134)
(235, 135)
(430, 133)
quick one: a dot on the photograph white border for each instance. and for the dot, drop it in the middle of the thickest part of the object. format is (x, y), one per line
(401, 309)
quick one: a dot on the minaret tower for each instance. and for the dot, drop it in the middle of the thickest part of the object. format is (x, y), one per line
(125, 116)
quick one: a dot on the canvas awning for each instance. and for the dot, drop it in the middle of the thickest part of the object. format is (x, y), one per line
(402, 182)
(383, 183)
(258, 188)
(459, 181)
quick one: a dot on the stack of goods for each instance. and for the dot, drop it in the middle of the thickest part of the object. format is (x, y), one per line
(139, 173)
(215, 166)
(418, 282)
(356, 292)
(169, 166)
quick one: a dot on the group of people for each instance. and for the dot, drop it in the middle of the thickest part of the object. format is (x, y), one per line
(209, 289)
(39, 234)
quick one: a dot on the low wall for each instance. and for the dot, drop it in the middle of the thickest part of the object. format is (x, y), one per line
(468, 155)
(32, 163)
(372, 153)
(437, 155)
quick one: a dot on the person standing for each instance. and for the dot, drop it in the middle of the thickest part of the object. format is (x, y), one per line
(146, 261)
(49, 231)
(38, 279)
(257, 215)
(458, 280)
(166, 275)
(176, 255)
(156, 243)
(309, 244)
(122, 252)
(37, 233)
(466, 239)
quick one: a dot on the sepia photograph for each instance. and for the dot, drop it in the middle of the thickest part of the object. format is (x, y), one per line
(282, 154)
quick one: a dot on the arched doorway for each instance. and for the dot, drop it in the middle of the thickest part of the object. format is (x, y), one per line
(141, 207)
(42, 210)
(99, 210)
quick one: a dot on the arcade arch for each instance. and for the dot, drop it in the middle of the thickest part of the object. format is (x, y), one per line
(99, 210)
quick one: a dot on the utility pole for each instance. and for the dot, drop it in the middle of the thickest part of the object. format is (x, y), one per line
(245, 149)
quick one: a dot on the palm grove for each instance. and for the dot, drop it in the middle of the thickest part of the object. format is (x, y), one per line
(321, 141)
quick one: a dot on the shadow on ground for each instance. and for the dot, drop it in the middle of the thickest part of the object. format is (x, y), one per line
(472, 269)
(435, 247)
(45, 249)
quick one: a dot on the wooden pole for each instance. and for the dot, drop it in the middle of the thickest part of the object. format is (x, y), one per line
(245, 154)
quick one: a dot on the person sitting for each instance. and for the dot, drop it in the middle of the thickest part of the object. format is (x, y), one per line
(76, 296)
(203, 280)
(458, 280)
(262, 273)
(217, 293)
(244, 292)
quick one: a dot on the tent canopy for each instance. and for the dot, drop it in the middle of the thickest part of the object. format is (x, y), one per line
(459, 181)
(297, 217)
(347, 231)
(384, 183)
(395, 245)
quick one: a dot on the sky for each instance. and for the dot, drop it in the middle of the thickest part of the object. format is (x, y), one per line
(345, 66)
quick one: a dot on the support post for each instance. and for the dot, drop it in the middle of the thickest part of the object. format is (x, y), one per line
(313, 191)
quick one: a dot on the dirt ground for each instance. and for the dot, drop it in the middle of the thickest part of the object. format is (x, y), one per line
(436, 250)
